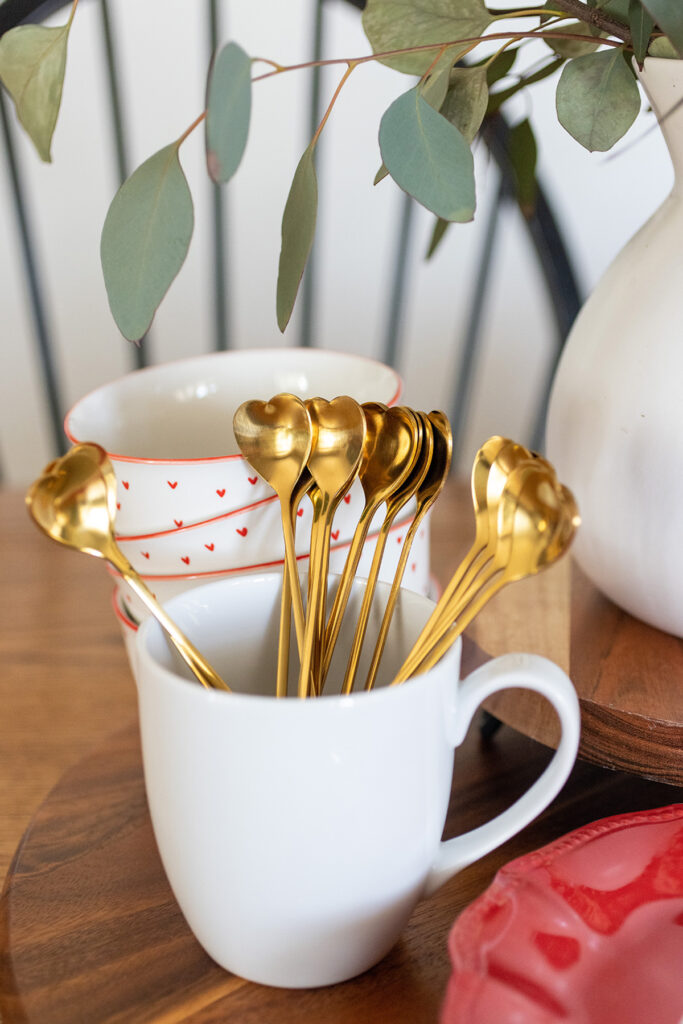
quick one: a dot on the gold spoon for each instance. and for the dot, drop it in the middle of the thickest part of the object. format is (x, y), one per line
(389, 453)
(338, 438)
(275, 438)
(74, 503)
(304, 486)
(537, 522)
(394, 504)
(426, 495)
(491, 467)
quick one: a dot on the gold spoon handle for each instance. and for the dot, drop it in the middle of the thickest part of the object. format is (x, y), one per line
(439, 624)
(317, 586)
(364, 615)
(206, 675)
(393, 597)
(342, 596)
(461, 620)
(291, 569)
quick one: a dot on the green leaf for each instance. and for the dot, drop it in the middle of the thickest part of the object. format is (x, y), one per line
(428, 157)
(434, 90)
(440, 228)
(466, 100)
(496, 99)
(572, 47)
(522, 153)
(145, 239)
(398, 24)
(298, 229)
(662, 47)
(668, 14)
(500, 66)
(228, 111)
(597, 99)
(32, 64)
(641, 25)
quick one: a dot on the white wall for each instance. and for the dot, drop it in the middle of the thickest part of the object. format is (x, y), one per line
(600, 200)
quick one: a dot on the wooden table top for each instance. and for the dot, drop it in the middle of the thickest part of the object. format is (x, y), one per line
(68, 702)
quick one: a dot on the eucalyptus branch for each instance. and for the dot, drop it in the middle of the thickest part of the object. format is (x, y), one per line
(188, 131)
(427, 47)
(597, 18)
(342, 82)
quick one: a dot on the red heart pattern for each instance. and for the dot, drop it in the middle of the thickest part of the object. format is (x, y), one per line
(252, 480)
(414, 566)
(220, 492)
(209, 547)
(334, 534)
(242, 531)
(125, 484)
(399, 539)
(299, 512)
(347, 498)
(172, 485)
(185, 559)
(178, 522)
(145, 554)
(118, 505)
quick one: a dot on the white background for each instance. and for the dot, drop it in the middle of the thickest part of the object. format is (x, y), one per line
(599, 200)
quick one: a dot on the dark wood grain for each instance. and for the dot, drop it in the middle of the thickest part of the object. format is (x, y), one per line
(89, 929)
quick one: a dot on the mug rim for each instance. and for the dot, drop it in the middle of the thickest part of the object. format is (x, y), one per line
(175, 363)
(188, 687)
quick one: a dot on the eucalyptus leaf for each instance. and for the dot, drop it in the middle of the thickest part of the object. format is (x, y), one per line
(399, 24)
(668, 14)
(641, 24)
(500, 66)
(662, 47)
(428, 157)
(615, 8)
(522, 153)
(571, 47)
(228, 111)
(145, 239)
(496, 99)
(597, 99)
(440, 228)
(298, 229)
(32, 64)
(466, 100)
(435, 88)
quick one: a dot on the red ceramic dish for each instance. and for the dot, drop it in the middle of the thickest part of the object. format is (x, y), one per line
(588, 930)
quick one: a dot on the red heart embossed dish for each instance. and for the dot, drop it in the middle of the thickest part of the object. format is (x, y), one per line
(588, 930)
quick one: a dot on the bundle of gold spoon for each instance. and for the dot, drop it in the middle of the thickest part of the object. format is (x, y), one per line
(524, 521)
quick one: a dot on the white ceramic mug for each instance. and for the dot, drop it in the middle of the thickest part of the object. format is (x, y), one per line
(298, 835)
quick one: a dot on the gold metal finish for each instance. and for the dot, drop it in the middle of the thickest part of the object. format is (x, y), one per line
(338, 439)
(275, 437)
(394, 504)
(392, 444)
(536, 522)
(74, 503)
(426, 495)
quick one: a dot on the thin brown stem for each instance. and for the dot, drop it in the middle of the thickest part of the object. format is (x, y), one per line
(425, 48)
(596, 17)
(188, 131)
(72, 12)
(351, 66)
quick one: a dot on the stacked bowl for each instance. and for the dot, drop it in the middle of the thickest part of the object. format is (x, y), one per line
(189, 507)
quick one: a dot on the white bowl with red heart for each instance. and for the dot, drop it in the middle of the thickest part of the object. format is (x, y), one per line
(168, 429)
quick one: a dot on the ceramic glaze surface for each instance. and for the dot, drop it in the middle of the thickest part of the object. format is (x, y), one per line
(168, 428)
(299, 834)
(588, 930)
(614, 422)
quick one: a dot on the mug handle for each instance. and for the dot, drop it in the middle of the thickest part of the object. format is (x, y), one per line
(529, 672)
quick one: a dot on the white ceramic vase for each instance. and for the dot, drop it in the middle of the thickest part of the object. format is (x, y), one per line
(615, 421)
